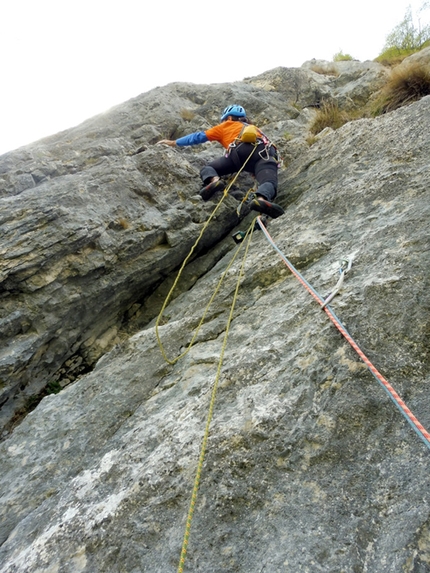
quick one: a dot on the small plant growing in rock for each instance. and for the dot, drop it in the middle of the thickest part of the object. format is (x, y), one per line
(311, 139)
(405, 85)
(187, 114)
(341, 57)
(123, 223)
(119, 224)
(329, 115)
(53, 387)
(296, 106)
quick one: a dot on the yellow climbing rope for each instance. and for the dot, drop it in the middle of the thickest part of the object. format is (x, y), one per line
(247, 240)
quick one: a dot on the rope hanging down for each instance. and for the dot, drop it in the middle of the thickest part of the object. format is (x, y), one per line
(211, 406)
(405, 411)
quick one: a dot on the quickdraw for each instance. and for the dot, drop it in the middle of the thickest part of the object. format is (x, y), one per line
(345, 266)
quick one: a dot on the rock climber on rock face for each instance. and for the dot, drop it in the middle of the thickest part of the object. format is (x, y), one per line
(259, 159)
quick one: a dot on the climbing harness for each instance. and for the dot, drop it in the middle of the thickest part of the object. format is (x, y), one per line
(253, 135)
(399, 403)
(264, 154)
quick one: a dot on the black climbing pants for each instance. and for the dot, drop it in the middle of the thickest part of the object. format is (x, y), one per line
(261, 164)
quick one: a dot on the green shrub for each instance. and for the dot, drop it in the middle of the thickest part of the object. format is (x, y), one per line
(393, 56)
(406, 84)
(406, 36)
(53, 388)
(341, 57)
(405, 39)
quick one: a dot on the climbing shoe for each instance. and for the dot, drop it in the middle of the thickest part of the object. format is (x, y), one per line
(264, 206)
(207, 191)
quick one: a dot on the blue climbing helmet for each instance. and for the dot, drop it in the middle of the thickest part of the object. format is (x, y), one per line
(234, 110)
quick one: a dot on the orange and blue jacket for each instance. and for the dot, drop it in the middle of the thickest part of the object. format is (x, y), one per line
(225, 132)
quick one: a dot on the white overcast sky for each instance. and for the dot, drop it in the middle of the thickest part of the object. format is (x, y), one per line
(63, 62)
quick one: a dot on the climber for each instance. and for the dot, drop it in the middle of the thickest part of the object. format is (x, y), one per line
(259, 159)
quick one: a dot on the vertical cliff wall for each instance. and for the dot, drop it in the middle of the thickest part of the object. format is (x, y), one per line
(309, 465)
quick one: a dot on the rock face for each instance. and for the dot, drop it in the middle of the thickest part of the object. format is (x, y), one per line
(309, 466)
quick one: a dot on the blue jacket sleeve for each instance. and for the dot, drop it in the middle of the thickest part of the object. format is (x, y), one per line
(192, 139)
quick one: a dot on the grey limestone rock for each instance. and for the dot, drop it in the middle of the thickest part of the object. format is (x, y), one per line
(309, 465)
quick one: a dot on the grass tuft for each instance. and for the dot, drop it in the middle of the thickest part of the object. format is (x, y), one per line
(187, 114)
(329, 115)
(311, 139)
(123, 223)
(406, 84)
